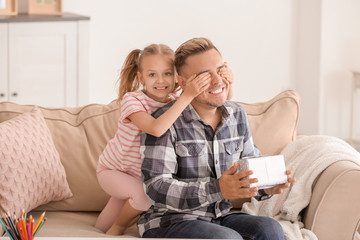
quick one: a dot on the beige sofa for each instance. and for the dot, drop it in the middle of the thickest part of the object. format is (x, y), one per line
(80, 134)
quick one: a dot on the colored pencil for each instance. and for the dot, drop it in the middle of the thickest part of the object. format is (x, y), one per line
(7, 221)
(40, 226)
(29, 231)
(11, 224)
(23, 226)
(13, 219)
(39, 221)
(17, 225)
(20, 230)
(32, 227)
(14, 233)
(6, 230)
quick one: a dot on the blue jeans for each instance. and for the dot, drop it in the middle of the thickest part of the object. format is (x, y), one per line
(233, 226)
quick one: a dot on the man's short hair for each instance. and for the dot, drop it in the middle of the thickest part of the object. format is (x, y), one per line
(189, 48)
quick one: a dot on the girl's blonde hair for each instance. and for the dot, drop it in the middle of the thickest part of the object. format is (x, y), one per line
(192, 47)
(129, 81)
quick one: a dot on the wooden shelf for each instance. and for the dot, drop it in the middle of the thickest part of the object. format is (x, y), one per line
(24, 17)
(11, 8)
(45, 7)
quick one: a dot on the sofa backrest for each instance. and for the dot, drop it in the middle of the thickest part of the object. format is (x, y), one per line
(273, 123)
(80, 134)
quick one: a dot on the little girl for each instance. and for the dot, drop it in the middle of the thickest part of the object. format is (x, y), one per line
(119, 168)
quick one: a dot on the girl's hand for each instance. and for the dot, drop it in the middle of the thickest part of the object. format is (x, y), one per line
(278, 189)
(197, 84)
(227, 74)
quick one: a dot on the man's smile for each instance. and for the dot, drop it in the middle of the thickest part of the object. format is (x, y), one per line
(216, 90)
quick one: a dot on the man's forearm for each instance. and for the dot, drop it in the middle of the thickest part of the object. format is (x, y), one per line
(167, 192)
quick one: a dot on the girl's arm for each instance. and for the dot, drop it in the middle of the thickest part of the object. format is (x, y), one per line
(158, 126)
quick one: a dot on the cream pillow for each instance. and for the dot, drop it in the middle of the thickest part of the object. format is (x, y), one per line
(80, 135)
(31, 173)
(273, 123)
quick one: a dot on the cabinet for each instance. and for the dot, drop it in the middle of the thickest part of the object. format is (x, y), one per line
(44, 60)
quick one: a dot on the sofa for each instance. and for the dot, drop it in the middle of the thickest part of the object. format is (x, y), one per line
(80, 134)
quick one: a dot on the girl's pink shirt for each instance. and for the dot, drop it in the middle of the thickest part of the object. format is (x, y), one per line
(123, 151)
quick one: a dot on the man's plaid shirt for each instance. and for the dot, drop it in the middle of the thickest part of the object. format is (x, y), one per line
(181, 169)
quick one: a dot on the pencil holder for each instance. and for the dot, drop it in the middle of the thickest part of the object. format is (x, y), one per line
(22, 228)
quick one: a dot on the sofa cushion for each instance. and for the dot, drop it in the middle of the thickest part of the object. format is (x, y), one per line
(80, 134)
(273, 123)
(31, 173)
(76, 224)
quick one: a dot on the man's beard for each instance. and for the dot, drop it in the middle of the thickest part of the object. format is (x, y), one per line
(216, 103)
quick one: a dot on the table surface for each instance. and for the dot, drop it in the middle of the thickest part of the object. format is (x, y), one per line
(67, 238)
(87, 238)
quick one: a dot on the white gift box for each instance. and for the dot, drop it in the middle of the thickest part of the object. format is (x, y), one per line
(269, 170)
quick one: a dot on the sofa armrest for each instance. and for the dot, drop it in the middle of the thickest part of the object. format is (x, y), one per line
(334, 209)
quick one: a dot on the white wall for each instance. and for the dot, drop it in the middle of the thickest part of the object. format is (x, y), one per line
(255, 37)
(340, 55)
(307, 45)
(307, 64)
(327, 51)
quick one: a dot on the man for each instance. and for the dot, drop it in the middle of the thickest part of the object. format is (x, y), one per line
(184, 171)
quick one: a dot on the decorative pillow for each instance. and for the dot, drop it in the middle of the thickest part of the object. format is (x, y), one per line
(31, 173)
(80, 135)
(273, 123)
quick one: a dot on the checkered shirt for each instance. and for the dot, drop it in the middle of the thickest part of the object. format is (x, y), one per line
(181, 169)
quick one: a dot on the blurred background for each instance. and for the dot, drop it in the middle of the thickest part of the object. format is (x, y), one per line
(311, 46)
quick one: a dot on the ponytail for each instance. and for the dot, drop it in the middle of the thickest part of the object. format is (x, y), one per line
(128, 75)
